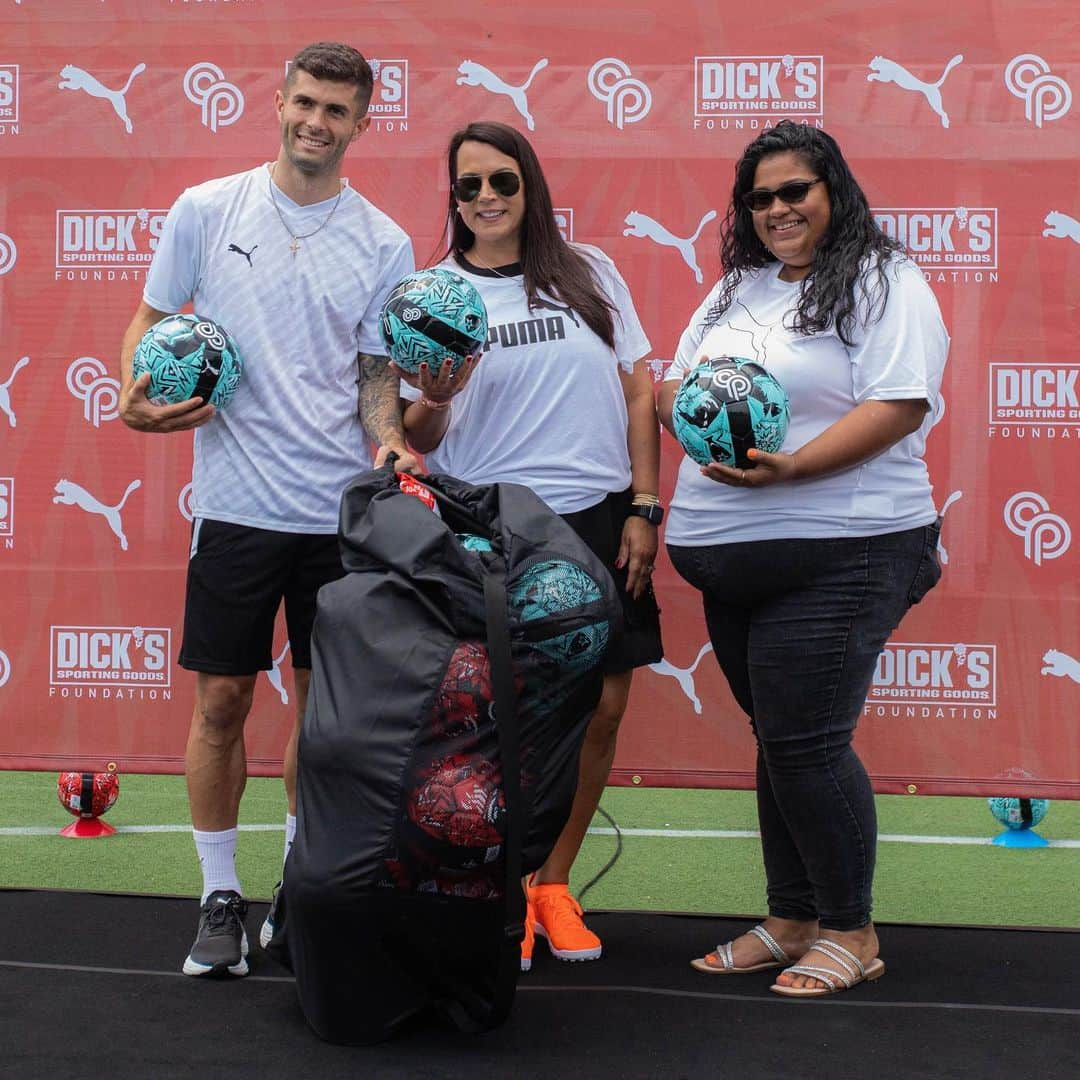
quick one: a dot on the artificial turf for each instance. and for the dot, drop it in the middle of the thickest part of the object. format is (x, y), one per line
(927, 883)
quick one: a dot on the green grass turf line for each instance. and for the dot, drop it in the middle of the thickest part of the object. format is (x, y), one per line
(914, 883)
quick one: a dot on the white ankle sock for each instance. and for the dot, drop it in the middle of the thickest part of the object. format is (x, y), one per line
(290, 833)
(217, 856)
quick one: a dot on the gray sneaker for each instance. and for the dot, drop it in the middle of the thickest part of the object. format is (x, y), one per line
(221, 944)
(267, 930)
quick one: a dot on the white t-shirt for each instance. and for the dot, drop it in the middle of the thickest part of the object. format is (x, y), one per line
(901, 356)
(545, 406)
(278, 456)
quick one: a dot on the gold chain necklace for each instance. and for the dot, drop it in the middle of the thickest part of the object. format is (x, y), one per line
(294, 247)
(491, 268)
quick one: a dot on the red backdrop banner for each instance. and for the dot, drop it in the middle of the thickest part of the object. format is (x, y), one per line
(958, 122)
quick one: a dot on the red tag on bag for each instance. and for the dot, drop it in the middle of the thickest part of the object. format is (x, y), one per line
(411, 486)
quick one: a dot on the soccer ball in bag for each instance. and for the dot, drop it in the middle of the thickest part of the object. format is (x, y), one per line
(1016, 813)
(726, 406)
(431, 316)
(460, 803)
(552, 588)
(187, 357)
(87, 795)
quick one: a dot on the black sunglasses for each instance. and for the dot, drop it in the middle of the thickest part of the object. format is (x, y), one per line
(505, 182)
(791, 193)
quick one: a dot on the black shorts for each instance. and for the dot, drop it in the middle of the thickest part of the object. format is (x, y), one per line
(237, 579)
(601, 526)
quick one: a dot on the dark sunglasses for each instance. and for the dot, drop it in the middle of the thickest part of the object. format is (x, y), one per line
(504, 182)
(791, 194)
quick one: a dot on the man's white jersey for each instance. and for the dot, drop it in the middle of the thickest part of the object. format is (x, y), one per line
(278, 456)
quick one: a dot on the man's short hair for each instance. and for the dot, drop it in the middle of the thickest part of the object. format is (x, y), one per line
(334, 62)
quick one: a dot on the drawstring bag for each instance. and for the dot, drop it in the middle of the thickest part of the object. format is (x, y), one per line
(454, 670)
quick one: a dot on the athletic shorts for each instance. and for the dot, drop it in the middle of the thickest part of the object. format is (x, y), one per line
(237, 579)
(601, 526)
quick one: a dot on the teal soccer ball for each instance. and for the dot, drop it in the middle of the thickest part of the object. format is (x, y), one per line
(472, 542)
(726, 406)
(1015, 813)
(552, 589)
(188, 356)
(431, 316)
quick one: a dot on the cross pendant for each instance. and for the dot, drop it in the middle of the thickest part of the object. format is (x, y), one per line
(294, 247)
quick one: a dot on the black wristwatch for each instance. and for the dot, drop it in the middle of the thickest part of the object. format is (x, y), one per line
(653, 514)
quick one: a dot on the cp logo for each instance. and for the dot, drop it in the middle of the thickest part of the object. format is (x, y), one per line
(1045, 96)
(733, 384)
(1046, 535)
(183, 503)
(88, 380)
(221, 102)
(411, 314)
(628, 100)
(8, 253)
(211, 334)
(5, 667)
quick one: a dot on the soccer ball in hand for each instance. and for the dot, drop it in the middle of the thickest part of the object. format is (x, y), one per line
(187, 357)
(726, 406)
(431, 316)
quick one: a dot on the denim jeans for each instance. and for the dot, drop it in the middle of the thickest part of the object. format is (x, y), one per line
(797, 627)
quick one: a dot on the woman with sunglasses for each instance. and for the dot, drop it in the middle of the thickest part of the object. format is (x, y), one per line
(808, 559)
(560, 402)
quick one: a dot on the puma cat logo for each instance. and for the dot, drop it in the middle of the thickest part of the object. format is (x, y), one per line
(274, 675)
(1061, 226)
(882, 69)
(942, 553)
(651, 229)
(477, 75)
(5, 395)
(240, 251)
(546, 305)
(73, 78)
(71, 494)
(684, 676)
(1061, 664)
(758, 332)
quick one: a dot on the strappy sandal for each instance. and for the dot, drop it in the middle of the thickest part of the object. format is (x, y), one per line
(851, 973)
(726, 965)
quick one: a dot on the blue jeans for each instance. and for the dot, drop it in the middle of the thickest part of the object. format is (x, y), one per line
(797, 627)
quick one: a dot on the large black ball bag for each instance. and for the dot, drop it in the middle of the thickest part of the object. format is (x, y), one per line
(454, 670)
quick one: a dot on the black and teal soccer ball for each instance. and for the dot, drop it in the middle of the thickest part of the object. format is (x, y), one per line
(1016, 813)
(188, 356)
(430, 316)
(552, 591)
(726, 406)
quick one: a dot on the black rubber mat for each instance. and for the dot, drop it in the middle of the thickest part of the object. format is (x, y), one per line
(91, 984)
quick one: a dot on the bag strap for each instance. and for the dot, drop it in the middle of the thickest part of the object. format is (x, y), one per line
(506, 725)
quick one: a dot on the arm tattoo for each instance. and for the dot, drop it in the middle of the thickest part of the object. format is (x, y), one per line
(377, 400)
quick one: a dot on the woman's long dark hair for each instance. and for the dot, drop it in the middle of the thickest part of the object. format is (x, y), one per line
(830, 293)
(548, 261)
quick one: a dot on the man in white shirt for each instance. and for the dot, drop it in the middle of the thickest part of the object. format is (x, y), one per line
(295, 265)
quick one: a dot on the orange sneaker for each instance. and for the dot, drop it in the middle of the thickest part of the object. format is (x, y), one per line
(559, 920)
(529, 938)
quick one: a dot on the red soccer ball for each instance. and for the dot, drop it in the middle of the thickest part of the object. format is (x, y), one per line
(87, 795)
(460, 802)
(464, 696)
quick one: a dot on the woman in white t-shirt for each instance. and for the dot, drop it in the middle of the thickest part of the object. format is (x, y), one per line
(808, 558)
(561, 402)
